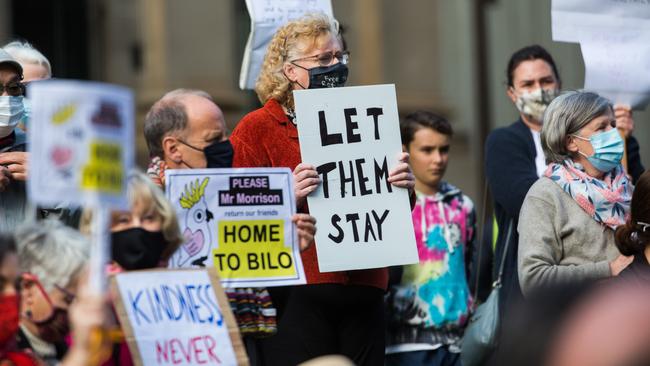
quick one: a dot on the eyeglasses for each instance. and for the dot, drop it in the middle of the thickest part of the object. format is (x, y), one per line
(326, 58)
(13, 88)
(68, 297)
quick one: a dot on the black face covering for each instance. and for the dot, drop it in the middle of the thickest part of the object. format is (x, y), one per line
(55, 328)
(137, 248)
(219, 154)
(326, 76)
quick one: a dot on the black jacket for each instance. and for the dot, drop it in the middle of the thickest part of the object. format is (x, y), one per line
(511, 171)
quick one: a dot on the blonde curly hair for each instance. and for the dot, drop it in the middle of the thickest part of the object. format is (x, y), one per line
(291, 41)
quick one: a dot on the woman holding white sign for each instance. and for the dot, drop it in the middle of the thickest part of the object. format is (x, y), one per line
(336, 312)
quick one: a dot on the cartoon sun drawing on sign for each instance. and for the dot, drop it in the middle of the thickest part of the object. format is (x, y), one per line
(197, 233)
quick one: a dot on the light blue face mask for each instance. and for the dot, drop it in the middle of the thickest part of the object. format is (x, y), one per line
(11, 112)
(27, 112)
(608, 149)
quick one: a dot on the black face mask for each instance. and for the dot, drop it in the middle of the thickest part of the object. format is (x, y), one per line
(331, 76)
(55, 328)
(137, 248)
(219, 154)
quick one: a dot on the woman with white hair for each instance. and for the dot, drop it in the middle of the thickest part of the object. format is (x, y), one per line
(147, 234)
(568, 218)
(53, 257)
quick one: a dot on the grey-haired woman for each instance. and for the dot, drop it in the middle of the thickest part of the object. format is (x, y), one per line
(568, 218)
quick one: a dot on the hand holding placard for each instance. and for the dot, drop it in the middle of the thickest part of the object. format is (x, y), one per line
(402, 176)
(306, 180)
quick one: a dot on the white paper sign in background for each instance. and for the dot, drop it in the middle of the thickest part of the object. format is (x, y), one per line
(618, 72)
(352, 136)
(175, 318)
(82, 144)
(613, 37)
(600, 20)
(266, 17)
(239, 221)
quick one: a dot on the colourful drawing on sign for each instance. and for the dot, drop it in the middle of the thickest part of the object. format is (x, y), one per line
(103, 172)
(64, 114)
(197, 233)
(107, 115)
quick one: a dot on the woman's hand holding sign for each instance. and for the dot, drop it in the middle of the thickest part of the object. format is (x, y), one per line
(306, 180)
(16, 163)
(306, 225)
(5, 178)
(402, 176)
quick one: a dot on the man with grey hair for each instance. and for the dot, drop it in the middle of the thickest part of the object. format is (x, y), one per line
(53, 257)
(186, 129)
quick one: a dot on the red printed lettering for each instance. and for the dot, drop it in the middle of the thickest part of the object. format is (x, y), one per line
(210, 344)
(162, 354)
(197, 350)
(193, 350)
(175, 360)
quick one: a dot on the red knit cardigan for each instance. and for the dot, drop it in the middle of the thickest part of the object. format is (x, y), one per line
(266, 138)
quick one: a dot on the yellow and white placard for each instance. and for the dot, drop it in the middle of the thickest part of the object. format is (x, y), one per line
(238, 221)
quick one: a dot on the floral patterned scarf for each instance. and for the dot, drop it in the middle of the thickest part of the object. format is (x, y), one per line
(606, 200)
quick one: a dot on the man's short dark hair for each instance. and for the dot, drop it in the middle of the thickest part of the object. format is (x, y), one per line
(423, 119)
(165, 117)
(530, 53)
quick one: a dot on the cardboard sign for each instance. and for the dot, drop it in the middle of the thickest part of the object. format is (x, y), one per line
(81, 144)
(267, 16)
(238, 221)
(352, 136)
(179, 317)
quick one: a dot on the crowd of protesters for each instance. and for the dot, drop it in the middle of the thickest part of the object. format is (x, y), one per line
(571, 227)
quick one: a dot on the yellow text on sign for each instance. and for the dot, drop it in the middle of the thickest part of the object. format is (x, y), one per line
(103, 173)
(253, 249)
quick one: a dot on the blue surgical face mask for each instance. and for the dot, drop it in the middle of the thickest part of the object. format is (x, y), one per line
(608, 150)
(27, 112)
(11, 112)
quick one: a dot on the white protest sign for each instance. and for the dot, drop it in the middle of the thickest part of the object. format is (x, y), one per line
(82, 147)
(238, 221)
(613, 35)
(600, 20)
(266, 17)
(620, 73)
(177, 317)
(352, 136)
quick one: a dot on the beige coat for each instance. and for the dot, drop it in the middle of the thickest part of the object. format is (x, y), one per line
(558, 241)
